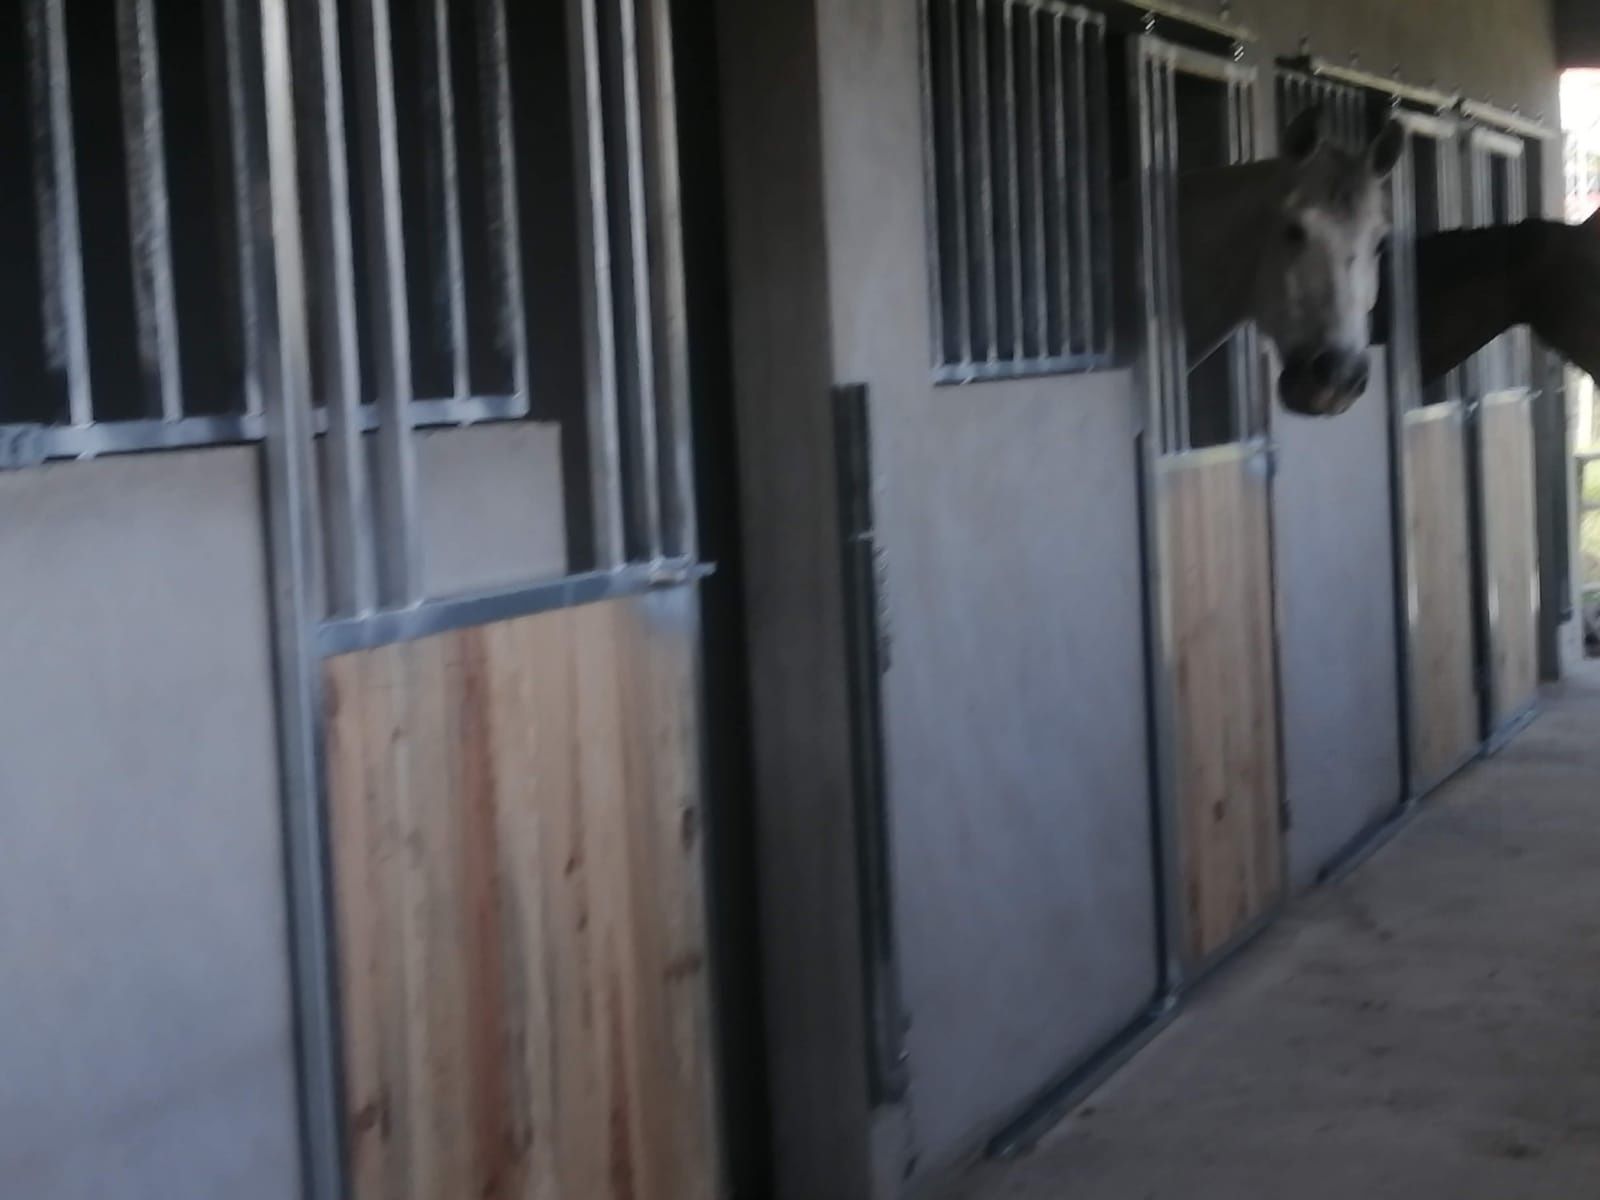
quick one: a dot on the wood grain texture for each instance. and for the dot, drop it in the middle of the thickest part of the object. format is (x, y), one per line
(1510, 552)
(517, 870)
(1439, 582)
(1219, 602)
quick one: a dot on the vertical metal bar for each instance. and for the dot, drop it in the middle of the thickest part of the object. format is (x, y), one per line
(1165, 264)
(233, 35)
(983, 200)
(599, 328)
(957, 117)
(1160, 260)
(1447, 159)
(667, 282)
(1239, 382)
(1035, 86)
(642, 491)
(1037, 236)
(155, 297)
(1103, 313)
(1413, 368)
(274, 236)
(1060, 143)
(399, 565)
(446, 185)
(1256, 409)
(1175, 341)
(1013, 181)
(504, 213)
(1152, 249)
(56, 181)
(1138, 72)
(1517, 212)
(1082, 197)
(938, 286)
(352, 583)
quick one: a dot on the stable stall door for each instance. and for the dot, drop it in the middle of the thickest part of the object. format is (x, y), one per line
(1210, 479)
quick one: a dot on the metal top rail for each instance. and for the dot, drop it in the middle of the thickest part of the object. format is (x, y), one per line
(1220, 25)
(1389, 85)
(1509, 120)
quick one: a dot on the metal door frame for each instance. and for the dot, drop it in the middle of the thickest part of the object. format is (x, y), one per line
(645, 542)
(1153, 64)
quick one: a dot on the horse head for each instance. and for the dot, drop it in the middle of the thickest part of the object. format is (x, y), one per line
(1318, 279)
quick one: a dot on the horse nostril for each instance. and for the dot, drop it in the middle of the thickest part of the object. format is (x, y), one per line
(1325, 366)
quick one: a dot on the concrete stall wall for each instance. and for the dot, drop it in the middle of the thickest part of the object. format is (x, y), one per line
(145, 1028)
(1018, 803)
(145, 1031)
(1338, 648)
(1007, 514)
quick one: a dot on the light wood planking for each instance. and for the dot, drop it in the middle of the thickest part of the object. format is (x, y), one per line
(1219, 600)
(1510, 553)
(1439, 584)
(517, 870)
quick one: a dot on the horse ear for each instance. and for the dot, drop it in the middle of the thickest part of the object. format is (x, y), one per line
(1304, 136)
(1386, 149)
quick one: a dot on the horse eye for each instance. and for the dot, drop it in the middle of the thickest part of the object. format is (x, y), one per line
(1295, 234)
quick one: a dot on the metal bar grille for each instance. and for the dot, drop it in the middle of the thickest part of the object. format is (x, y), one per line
(1018, 169)
(140, 304)
(1241, 414)
(1345, 107)
(418, 159)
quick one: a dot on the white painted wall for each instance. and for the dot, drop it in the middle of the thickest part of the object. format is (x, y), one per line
(490, 502)
(145, 1033)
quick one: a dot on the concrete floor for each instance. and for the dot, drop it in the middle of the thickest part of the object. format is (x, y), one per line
(1428, 1029)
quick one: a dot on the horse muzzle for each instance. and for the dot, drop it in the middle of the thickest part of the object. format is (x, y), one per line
(1323, 383)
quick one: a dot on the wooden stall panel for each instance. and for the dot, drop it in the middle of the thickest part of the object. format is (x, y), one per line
(1510, 553)
(1219, 596)
(1445, 707)
(518, 881)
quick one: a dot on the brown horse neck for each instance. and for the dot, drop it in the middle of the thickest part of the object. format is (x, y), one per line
(1472, 286)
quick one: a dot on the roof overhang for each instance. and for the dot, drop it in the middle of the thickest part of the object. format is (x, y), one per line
(1577, 33)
